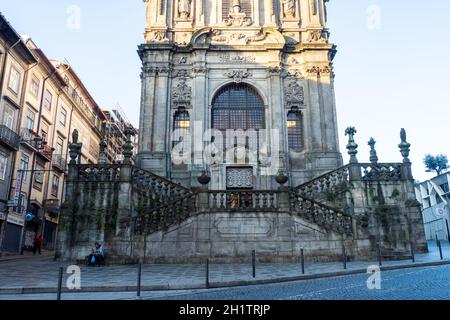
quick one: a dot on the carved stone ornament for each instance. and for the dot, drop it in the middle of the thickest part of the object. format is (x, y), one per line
(238, 75)
(236, 17)
(183, 73)
(319, 70)
(237, 37)
(182, 94)
(158, 36)
(295, 94)
(317, 36)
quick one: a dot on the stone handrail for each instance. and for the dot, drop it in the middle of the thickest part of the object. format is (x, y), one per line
(381, 171)
(251, 200)
(141, 175)
(337, 181)
(333, 181)
(161, 218)
(98, 172)
(321, 214)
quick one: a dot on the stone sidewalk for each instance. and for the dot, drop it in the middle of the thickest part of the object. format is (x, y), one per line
(40, 275)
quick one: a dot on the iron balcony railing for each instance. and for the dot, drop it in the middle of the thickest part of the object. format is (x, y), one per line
(32, 139)
(59, 162)
(9, 137)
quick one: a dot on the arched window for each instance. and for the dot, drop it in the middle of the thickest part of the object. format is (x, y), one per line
(238, 106)
(295, 129)
(181, 125)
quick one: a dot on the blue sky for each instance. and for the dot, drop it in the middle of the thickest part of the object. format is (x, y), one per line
(387, 78)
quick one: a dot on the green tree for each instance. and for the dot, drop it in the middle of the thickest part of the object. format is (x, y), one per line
(436, 164)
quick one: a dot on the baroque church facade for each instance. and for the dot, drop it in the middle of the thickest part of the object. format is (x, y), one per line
(238, 96)
(239, 88)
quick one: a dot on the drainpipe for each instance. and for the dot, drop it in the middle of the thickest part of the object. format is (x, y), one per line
(33, 162)
(21, 106)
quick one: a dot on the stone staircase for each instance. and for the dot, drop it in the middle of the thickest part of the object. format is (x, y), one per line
(163, 203)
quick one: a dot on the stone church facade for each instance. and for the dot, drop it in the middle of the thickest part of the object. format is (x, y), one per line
(238, 150)
(262, 66)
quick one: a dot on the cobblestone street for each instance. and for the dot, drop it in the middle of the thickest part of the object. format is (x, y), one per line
(40, 275)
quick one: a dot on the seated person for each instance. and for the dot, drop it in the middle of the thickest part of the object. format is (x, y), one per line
(97, 257)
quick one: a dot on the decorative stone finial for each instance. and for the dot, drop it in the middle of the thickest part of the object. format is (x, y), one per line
(404, 146)
(373, 152)
(352, 147)
(281, 178)
(128, 146)
(204, 179)
(75, 136)
(102, 159)
(74, 148)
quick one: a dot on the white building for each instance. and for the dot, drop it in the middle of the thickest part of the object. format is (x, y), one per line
(434, 196)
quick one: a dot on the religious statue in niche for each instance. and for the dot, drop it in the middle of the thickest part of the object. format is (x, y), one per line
(288, 8)
(184, 9)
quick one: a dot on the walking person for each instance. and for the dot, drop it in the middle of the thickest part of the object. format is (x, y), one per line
(37, 244)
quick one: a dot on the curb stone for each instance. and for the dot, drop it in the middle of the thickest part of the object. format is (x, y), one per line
(212, 285)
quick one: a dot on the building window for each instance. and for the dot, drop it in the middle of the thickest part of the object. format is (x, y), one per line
(3, 165)
(44, 132)
(29, 121)
(445, 187)
(39, 176)
(55, 186)
(24, 160)
(181, 125)
(14, 80)
(63, 117)
(59, 146)
(8, 117)
(238, 106)
(295, 134)
(34, 86)
(48, 97)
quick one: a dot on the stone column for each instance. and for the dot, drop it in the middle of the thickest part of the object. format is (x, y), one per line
(328, 109)
(147, 108)
(269, 13)
(313, 78)
(125, 190)
(199, 113)
(200, 13)
(256, 13)
(275, 120)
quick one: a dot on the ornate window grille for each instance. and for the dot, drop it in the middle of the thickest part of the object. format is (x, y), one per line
(295, 129)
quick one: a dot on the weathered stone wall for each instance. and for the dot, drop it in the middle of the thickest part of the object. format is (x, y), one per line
(231, 237)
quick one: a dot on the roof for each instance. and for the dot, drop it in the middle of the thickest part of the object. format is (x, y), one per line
(49, 66)
(83, 88)
(13, 38)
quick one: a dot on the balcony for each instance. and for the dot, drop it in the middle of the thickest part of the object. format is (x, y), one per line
(59, 162)
(34, 141)
(9, 138)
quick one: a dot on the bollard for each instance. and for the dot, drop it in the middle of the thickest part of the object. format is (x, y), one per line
(254, 263)
(139, 277)
(448, 230)
(413, 257)
(344, 258)
(380, 262)
(440, 249)
(302, 258)
(61, 271)
(207, 273)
